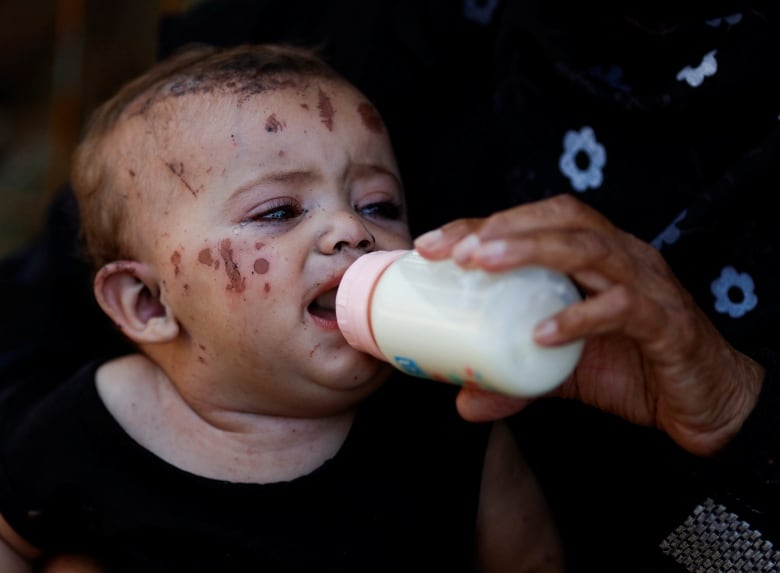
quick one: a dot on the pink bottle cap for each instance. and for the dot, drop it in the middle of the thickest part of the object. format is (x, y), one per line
(353, 299)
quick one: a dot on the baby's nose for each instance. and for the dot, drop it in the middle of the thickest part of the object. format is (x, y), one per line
(345, 230)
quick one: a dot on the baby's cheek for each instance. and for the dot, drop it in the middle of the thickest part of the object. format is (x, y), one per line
(179, 278)
(236, 272)
(205, 257)
(236, 282)
(261, 267)
(218, 264)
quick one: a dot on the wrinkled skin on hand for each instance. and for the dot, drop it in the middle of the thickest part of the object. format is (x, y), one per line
(651, 355)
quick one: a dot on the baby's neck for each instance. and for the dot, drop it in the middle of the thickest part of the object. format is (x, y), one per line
(232, 446)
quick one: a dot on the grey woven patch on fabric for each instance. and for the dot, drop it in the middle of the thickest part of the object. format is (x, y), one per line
(714, 540)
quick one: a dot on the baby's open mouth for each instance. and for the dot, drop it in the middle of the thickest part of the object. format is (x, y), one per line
(324, 306)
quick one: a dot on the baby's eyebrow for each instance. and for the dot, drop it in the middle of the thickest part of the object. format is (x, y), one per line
(372, 169)
(294, 177)
(290, 176)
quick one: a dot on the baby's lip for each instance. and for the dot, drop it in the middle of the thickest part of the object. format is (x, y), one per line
(323, 302)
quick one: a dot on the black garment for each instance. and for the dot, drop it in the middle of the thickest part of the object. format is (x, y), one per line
(400, 495)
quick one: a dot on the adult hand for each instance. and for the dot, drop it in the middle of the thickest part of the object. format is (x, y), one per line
(651, 355)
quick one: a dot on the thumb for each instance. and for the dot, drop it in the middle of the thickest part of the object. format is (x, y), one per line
(477, 405)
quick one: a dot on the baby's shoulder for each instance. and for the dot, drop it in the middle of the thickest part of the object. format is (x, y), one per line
(129, 388)
(124, 379)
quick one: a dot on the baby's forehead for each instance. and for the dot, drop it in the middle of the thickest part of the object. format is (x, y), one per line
(188, 92)
(185, 108)
(187, 117)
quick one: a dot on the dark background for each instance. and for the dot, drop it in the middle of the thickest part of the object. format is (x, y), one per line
(57, 59)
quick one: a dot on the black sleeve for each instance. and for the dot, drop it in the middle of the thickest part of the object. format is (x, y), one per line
(754, 454)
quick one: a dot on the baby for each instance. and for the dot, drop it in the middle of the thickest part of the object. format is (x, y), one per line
(223, 195)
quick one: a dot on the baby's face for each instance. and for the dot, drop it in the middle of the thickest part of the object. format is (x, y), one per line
(261, 205)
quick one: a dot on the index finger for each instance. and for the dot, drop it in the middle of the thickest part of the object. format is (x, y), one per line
(438, 243)
(563, 212)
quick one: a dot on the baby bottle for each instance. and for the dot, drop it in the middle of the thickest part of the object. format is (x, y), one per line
(434, 319)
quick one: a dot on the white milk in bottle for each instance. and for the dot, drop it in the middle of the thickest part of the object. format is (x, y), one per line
(434, 319)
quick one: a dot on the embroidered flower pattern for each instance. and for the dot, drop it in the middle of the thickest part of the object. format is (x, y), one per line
(480, 11)
(671, 234)
(695, 76)
(727, 299)
(730, 20)
(612, 75)
(578, 143)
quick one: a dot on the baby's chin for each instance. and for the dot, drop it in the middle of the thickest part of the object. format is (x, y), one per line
(364, 375)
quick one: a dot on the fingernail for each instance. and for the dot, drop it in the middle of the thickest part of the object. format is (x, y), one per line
(463, 248)
(545, 330)
(491, 250)
(429, 239)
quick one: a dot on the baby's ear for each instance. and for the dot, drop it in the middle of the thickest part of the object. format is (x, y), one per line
(129, 293)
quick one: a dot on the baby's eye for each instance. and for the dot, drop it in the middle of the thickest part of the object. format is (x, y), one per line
(383, 210)
(278, 210)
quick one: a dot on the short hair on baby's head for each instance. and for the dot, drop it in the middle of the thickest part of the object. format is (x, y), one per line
(241, 71)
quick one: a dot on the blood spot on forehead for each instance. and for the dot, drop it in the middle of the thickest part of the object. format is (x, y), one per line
(273, 124)
(261, 266)
(267, 288)
(370, 116)
(259, 245)
(326, 109)
(237, 282)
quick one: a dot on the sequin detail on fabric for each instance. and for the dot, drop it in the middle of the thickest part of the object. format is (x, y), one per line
(714, 540)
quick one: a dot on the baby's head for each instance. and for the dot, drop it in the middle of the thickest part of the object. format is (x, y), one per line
(223, 194)
(103, 172)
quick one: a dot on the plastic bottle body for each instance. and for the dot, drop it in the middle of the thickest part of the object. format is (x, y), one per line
(436, 320)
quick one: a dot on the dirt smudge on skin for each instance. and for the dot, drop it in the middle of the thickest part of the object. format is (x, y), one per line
(273, 124)
(178, 170)
(175, 260)
(237, 282)
(371, 118)
(261, 266)
(326, 109)
(204, 257)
